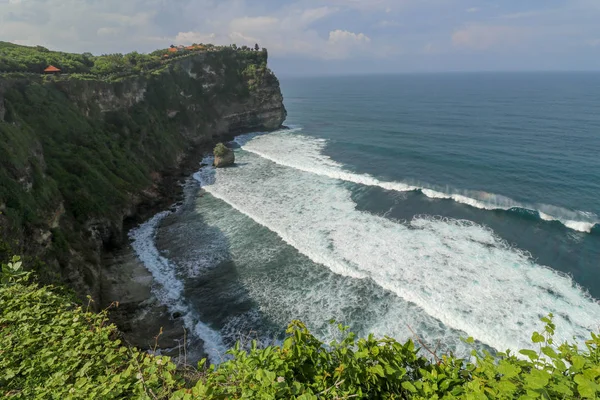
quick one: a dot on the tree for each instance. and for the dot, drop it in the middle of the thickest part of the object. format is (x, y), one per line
(256, 47)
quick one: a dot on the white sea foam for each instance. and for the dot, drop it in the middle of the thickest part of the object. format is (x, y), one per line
(163, 272)
(284, 286)
(242, 139)
(169, 290)
(455, 271)
(305, 153)
(580, 226)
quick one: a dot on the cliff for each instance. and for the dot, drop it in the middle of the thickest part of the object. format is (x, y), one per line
(83, 156)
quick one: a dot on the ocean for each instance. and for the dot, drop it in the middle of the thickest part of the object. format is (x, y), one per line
(448, 205)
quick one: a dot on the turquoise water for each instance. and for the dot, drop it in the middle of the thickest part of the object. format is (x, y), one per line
(452, 205)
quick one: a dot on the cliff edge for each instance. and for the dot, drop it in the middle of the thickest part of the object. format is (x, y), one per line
(85, 155)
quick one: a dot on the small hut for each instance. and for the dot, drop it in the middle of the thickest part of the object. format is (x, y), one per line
(52, 70)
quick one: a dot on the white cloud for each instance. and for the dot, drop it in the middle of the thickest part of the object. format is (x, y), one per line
(108, 31)
(342, 44)
(312, 15)
(429, 48)
(254, 24)
(485, 37)
(312, 29)
(525, 14)
(386, 24)
(75, 25)
(340, 36)
(594, 42)
(195, 37)
(289, 32)
(339, 44)
(383, 5)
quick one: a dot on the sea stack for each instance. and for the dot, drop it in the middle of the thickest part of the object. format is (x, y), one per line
(224, 156)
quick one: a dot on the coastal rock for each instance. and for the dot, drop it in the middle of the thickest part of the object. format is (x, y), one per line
(224, 157)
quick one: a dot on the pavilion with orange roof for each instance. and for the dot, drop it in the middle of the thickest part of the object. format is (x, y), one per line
(52, 70)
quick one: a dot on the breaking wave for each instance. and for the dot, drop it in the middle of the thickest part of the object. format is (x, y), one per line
(305, 154)
(456, 271)
(169, 287)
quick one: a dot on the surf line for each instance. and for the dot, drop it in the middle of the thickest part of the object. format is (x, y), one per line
(325, 166)
(169, 289)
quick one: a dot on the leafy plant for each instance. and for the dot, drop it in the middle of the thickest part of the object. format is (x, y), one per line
(53, 348)
(369, 368)
(220, 150)
(13, 271)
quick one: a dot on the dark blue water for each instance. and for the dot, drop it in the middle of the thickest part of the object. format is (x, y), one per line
(531, 138)
(451, 205)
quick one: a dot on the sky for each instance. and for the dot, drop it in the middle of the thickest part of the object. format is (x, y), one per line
(322, 37)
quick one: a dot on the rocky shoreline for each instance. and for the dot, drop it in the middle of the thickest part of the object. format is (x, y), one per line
(109, 155)
(127, 285)
(143, 320)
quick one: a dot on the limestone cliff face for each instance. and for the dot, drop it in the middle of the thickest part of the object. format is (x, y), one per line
(260, 108)
(79, 158)
(262, 111)
(210, 95)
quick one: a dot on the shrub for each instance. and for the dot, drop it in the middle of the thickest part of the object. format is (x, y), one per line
(220, 150)
(369, 368)
(53, 348)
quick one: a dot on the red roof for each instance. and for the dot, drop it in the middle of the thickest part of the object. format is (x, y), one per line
(51, 68)
(172, 50)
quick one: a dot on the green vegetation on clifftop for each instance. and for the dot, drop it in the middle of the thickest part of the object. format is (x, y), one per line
(51, 348)
(34, 59)
(79, 151)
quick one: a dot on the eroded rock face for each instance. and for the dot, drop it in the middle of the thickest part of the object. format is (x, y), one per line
(90, 96)
(263, 110)
(225, 160)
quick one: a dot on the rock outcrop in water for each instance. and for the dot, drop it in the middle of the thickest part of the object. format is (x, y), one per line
(83, 159)
(224, 157)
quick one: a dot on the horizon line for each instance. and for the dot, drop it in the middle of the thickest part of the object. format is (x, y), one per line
(282, 73)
